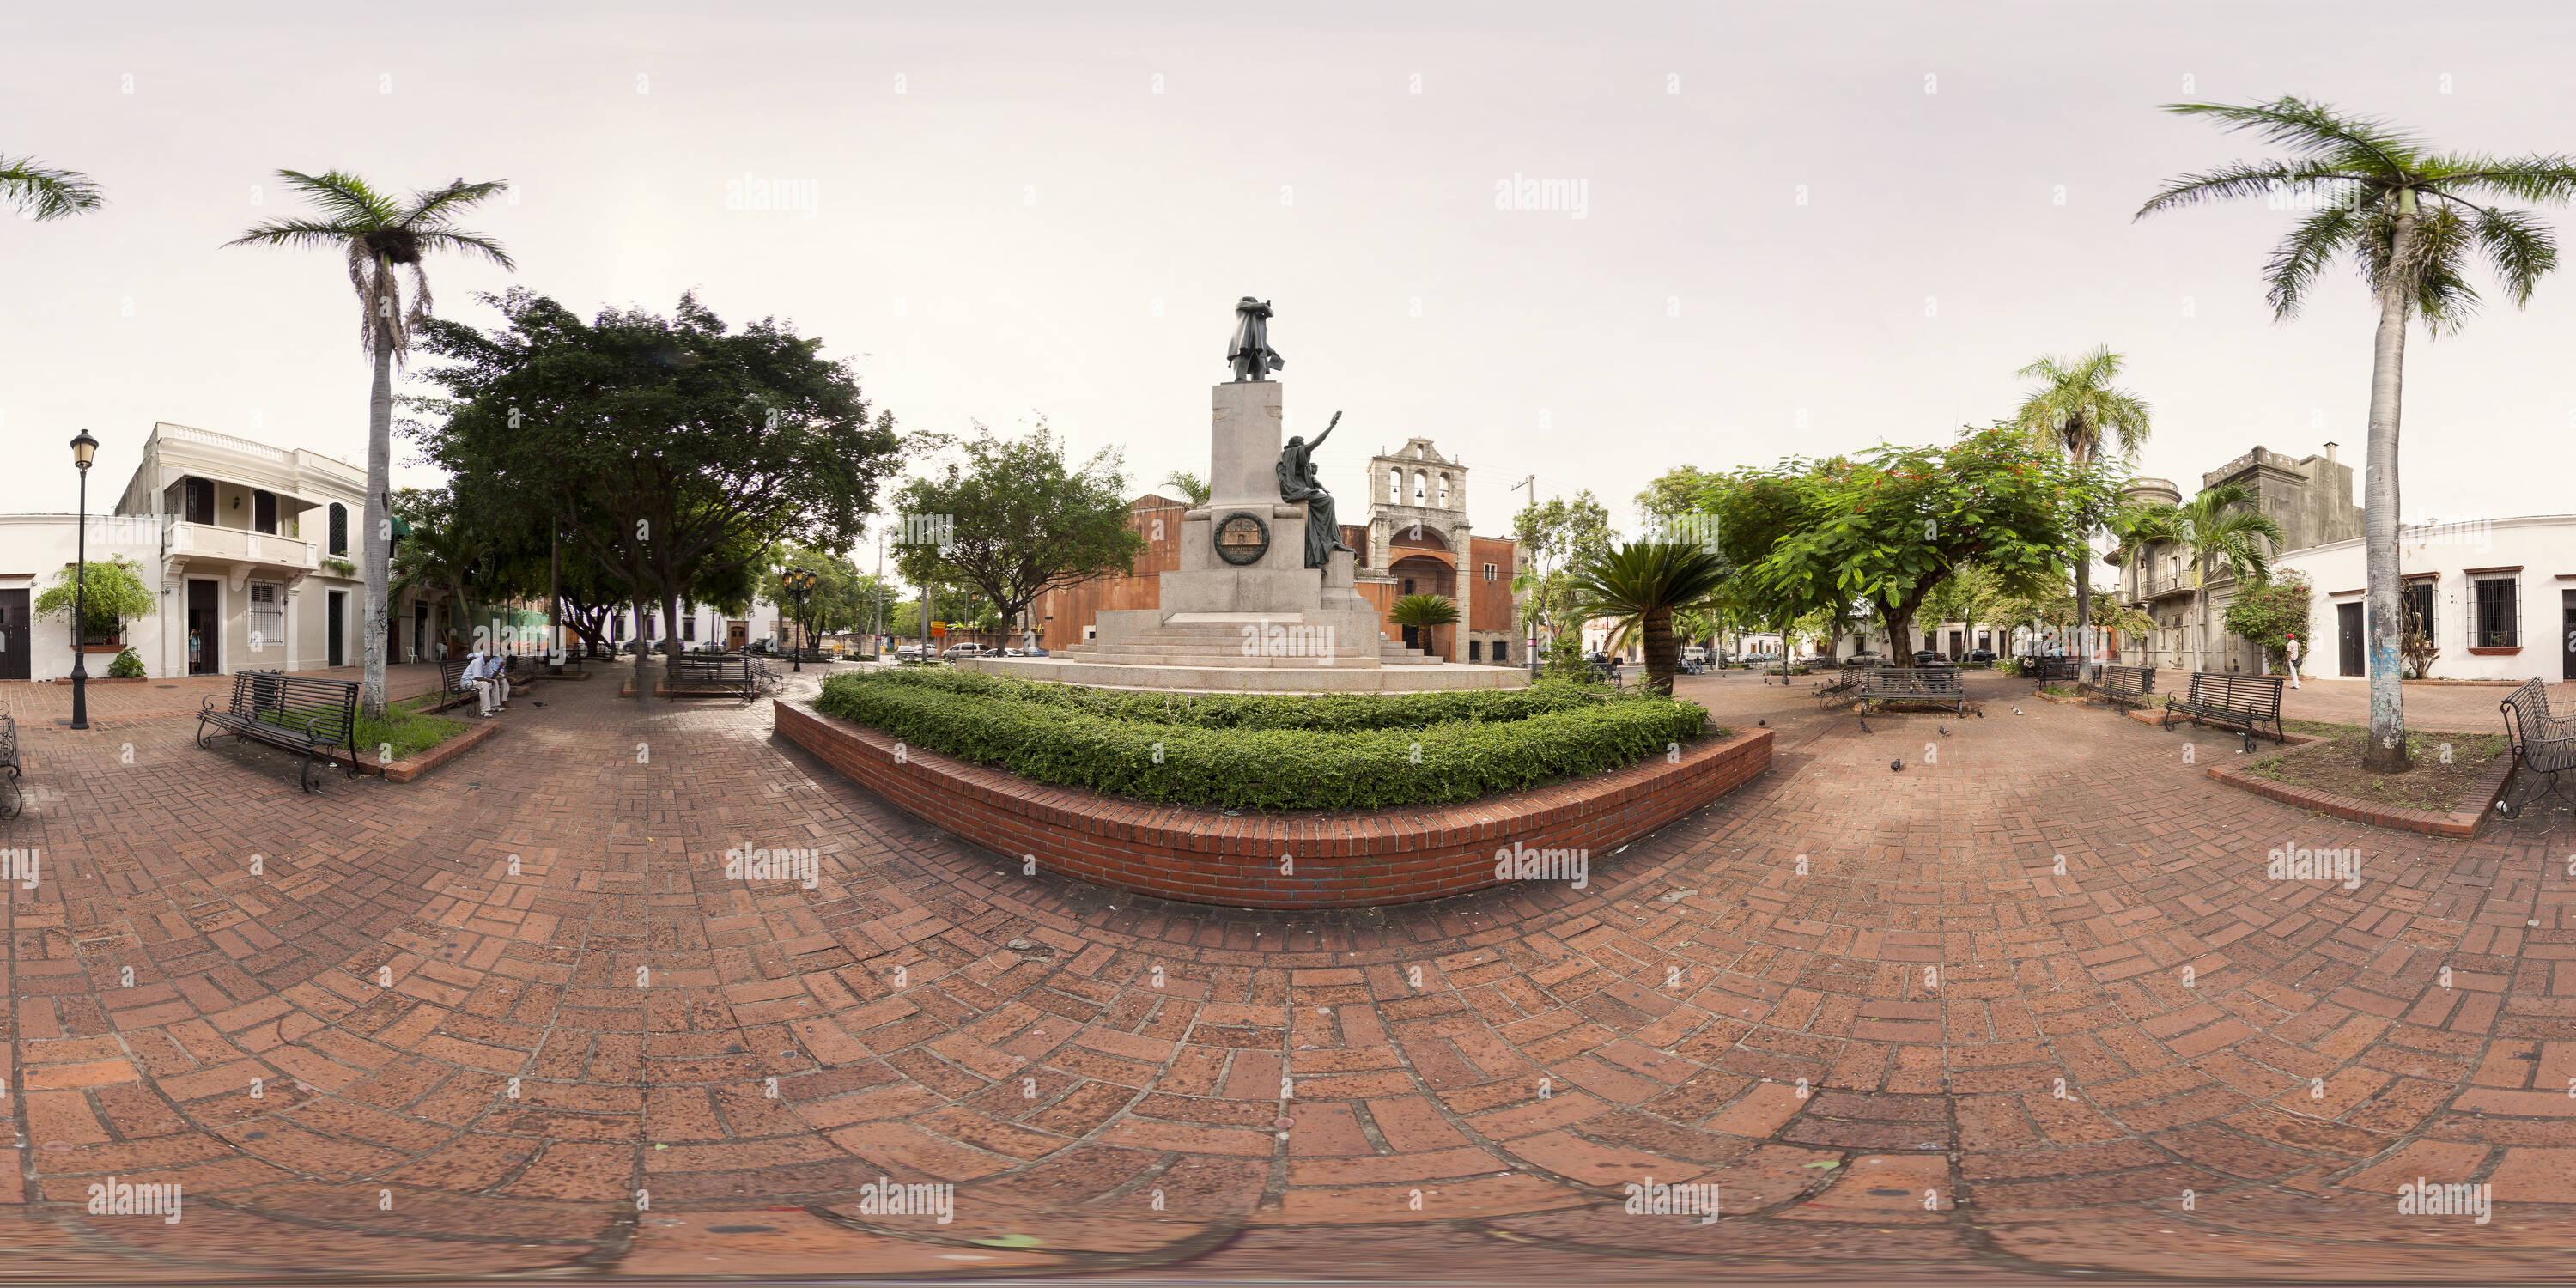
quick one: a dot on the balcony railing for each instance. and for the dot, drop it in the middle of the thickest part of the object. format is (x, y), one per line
(2151, 587)
(207, 541)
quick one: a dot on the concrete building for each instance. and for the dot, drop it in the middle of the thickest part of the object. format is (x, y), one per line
(2310, 497)
(2496, 597)
(248, 550)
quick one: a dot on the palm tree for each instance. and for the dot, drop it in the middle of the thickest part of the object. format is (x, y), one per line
(2410, 220)
(2074, 409)
(2218, 526)
(445, 559)
(1191, 487)
(42, 192)
(1424, 613)
(1640, 587)
(378, 235)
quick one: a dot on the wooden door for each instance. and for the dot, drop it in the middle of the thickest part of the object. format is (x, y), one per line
(17, 637)
(2348, 637)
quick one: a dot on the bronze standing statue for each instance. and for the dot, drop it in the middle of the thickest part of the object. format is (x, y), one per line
(1252, 356)
(1298, 482)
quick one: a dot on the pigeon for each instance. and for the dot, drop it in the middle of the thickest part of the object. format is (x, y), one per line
(536, 704)
(1897, 765)
(1763, 723)
(1945, 731)
(2016, 710)
(1864, 725)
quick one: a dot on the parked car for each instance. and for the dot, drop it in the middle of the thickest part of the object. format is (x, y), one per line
(956, 651)
(1981, 655)
(908, 652)
(1926, 657)
(1866, 657)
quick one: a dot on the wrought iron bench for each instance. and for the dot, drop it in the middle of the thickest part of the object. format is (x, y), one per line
(727, 672)
(2245, 703)
(2126, 683)
(2055, 670)
(2544, 741)
(1932, 684)
(305, 714)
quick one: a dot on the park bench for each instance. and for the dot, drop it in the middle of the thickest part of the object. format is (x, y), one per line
(1933, 684)
(2053, 670)
(452, 689)
(11, 803)
(306, 714)
(727, 672)
(2245, 703)
(2125, 683)
(2544, 741)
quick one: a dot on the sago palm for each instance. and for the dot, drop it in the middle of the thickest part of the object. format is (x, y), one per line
(2076, 410)
(380, 235)
(2411, 220)
(1424, 613)
(41, 192)
(2218, 526)
(1640, 587)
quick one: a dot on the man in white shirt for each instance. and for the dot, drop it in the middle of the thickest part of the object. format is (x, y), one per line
(2290, 649)
(482, 676)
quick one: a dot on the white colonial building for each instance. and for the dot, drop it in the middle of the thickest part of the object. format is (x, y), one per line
(2497, 597)
(246, 549)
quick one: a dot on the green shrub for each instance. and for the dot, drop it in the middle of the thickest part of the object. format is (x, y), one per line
(126, 666)
(1268, 752)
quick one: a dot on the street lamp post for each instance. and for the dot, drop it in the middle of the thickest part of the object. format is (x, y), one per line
(84, 448)
(799, 584)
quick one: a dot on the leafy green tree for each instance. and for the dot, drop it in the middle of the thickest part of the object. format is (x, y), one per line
(378, 235)
(2076, 410)
(42, 192)
(1968, 595)
(1425, 613)
(1895, 522)
(1640, 586)
(1016, 521)
(114, 595)
(2219, 526)
(2269, 612)
(1552, 537)
(678, 450)
(2411, 220)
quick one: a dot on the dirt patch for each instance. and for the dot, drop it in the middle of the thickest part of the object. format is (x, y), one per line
(2333, 764)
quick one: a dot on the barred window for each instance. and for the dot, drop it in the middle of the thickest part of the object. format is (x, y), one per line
(1490, 571)
(339, 529)
(2499, 621)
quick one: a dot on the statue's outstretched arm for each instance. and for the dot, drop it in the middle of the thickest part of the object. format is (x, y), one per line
(1328, 433)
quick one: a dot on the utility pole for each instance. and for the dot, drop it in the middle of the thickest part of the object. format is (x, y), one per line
(1529, 647)
(876, 636)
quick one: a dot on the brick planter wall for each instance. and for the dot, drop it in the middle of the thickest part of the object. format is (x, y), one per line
(1344, 859)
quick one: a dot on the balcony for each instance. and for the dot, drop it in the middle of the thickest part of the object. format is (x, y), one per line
(2159, 587)
(205, 542)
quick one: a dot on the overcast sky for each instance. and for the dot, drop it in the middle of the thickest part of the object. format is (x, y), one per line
(1804, 228)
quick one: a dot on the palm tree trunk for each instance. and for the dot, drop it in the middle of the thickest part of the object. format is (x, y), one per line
(2084, 588)
(378, 548)
(2386, 751)
(1662, 651)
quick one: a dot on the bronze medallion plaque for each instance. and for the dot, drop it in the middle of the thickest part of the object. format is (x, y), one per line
(1241, 539)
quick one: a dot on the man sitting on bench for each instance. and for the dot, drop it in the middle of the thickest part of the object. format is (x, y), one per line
(484, 675)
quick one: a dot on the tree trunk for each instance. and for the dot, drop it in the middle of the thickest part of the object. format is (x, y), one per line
(1663, 652)
(2084, 587)
(554, 597)
(643, 650)
(378, 548)
(670, 637)
(1900, 638)
(2386, 752)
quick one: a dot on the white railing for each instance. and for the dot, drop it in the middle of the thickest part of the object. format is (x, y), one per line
(207, 541)
(226, 441)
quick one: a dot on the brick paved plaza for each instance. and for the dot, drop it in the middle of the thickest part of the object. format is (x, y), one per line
(1064, 1054)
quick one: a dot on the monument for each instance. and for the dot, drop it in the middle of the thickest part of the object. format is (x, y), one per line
(1263, 600)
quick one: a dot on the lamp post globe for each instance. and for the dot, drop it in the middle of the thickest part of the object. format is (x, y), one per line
(84, 450)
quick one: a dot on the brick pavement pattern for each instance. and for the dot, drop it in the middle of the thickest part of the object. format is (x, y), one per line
(514, 1018)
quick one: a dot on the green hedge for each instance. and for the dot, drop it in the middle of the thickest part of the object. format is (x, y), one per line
(1269, 752)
